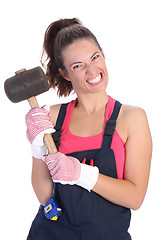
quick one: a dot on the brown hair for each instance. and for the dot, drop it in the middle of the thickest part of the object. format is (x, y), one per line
(59, 35)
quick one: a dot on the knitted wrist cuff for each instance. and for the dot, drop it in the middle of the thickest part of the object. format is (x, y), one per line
(89, 176)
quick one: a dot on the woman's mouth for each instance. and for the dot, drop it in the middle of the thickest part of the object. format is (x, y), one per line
(96, 80)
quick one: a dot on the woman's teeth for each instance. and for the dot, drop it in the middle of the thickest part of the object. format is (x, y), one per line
(95, 80)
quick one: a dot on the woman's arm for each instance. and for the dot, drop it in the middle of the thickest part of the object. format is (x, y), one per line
(131, 191)
(41, 181)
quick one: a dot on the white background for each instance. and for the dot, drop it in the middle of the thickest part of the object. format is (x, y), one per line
(128, 31)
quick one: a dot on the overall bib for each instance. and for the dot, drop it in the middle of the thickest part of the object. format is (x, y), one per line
(85, 215)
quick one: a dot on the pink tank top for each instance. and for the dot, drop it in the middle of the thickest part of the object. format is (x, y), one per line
(71, 143)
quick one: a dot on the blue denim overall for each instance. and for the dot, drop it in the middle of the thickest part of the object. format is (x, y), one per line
(85, 215)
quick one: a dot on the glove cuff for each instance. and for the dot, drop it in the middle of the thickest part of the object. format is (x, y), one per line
(39, 152)
(38, 140)
(88, 177)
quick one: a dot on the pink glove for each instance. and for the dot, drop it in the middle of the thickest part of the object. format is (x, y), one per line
(38, 123)
(68, 170)
(63, 169)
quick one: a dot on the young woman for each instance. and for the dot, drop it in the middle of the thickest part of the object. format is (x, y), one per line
(101, 169)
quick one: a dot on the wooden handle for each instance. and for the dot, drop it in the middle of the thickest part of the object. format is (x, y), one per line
(48, 140)
(33, 102)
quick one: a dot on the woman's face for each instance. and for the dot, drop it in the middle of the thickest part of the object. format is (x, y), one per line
(85, 65)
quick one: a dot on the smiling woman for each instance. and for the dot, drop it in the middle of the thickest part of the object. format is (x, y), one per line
(86, 69)
(102, 166)
(58, 36)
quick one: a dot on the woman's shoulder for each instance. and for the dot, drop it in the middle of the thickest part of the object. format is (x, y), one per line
(132, 114)
(130, 120)
(129, 112)
(54, 111)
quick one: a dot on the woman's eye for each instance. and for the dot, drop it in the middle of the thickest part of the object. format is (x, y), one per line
(76, 66)
(95, 57)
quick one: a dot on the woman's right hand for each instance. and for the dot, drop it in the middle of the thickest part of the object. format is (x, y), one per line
(38, 123)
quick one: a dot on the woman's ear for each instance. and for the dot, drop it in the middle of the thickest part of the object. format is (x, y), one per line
(64, 74)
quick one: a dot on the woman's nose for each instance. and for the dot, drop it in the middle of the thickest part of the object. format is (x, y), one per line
(91, 69)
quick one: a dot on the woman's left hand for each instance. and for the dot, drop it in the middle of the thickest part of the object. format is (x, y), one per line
(68, 170)
(63, 169)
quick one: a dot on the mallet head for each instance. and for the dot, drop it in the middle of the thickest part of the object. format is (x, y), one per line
(26, 84)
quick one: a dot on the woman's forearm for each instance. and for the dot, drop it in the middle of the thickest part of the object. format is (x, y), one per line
(41, 181)
(120, 192)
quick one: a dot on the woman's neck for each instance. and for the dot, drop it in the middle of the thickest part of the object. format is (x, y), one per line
(92, 103)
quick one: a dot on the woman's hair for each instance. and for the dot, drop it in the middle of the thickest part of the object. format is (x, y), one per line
(59, 35)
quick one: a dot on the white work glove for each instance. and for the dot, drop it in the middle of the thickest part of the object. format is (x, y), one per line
(38, 123)
(68, 170)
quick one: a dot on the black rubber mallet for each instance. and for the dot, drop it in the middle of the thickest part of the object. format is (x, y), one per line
(26, 85)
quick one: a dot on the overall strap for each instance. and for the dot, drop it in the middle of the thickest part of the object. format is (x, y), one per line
(58, 127)
(111, 125)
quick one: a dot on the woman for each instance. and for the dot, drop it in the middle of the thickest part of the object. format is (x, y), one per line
(102, 166)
